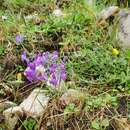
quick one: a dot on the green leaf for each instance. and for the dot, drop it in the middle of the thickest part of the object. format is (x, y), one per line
(128, 54)
(2, 49)
(95, 125)
(29, 124)
(69, 108)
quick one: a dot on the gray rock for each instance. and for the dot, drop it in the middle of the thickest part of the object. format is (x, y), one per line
(12, 116)
(107, 13)
(123, 13)
(35, 104)
(123, 17)
(123, 34)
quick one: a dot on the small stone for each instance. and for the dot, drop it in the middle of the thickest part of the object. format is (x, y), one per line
(35, 104)
(57, 13)
(12, 116)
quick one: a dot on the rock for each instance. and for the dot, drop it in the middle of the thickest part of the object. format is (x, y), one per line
(6, 104)
(35, 104)
(72, 96)
(107, 13)
(123, 34)
(123, 13)
(12, 116)
(57, 13)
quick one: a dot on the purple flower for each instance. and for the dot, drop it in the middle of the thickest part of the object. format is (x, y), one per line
(63, 75)
(19, 38)
(55, 55)
(53, 68)
(45, 67)
(43, 77)
(45, 55)
(24, 57)
(30, 74)
(53, 80)
(38, 60)
(32, 65)
(62, 65)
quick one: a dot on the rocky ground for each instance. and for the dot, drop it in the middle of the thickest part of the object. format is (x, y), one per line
(64, 65)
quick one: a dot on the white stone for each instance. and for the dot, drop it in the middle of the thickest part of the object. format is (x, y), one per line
(35, 104)
(123, 34)
(57, 13)
(12, 116)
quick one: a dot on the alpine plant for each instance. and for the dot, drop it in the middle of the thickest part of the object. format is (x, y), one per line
(45, 67)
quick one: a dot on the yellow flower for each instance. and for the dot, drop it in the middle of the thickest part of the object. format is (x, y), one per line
(19, 77)
(115, 52)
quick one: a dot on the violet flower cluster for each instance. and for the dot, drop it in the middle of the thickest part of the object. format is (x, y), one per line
(45, 67)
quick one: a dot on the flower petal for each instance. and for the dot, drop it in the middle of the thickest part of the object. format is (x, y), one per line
(55, 55)
(19, 38)
(24, 57)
